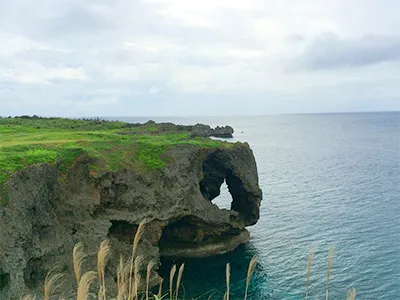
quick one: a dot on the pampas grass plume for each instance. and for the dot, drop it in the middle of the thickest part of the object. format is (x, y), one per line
(84, 285)
(178, 280)
(78, 256)
(171, 280)
(328, 272)
(51, 283)
(311, 253)
(252, 266)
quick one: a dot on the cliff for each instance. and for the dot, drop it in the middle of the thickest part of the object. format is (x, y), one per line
(102, 182)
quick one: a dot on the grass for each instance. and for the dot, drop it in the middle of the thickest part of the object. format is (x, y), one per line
(250, 271)
(149, 269)
(129, 281)
(228, 277)
(328, 272)
(311, 253)
(26, 141)
(171, 281)
(102, 259)
(78, 257)
(84, 285)
(51, 283)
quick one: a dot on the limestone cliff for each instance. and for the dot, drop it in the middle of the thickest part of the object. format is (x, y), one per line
(48, 211)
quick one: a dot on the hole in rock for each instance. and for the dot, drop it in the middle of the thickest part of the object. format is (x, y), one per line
(4, 280)
(219, 185)
(122, 230)
(34, 273)
(184, 231)
(217, 169)
(192, 231)
(224, 200)
(213, 186)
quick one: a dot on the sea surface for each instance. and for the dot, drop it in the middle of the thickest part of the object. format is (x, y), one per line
(328, 180)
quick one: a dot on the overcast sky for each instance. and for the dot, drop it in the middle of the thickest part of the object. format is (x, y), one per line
(205, 57)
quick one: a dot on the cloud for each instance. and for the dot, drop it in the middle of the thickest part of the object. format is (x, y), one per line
(37, 74)
(329, 51)
(153, 57)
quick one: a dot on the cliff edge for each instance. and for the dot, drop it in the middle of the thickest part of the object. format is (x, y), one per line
(90, 183)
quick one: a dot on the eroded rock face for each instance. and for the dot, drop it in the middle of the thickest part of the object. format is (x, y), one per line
(48, 213)
(201, 130)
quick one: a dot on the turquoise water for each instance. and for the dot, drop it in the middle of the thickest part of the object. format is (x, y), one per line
(330, 179)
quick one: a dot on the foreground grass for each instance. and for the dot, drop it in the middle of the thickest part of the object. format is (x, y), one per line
(132, 286)
(27, 141)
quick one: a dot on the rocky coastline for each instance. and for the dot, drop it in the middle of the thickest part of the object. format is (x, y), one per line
(49, 211)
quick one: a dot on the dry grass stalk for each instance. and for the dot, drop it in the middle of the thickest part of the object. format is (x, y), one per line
(100, 294)
(311, 253)
(102, 258)
(178, 280)
(78, 257)
(160, 288)
(131, 268)
(171, 281)
(252, 266)
(121, 280)
(351, 294)
(84, 285)
(328, 272)
(138, 236)
(228, 279)
(137, 278)
(51, 283)
(128, 285)
(150, 266)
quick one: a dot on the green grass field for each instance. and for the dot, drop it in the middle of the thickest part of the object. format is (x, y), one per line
(28, 141)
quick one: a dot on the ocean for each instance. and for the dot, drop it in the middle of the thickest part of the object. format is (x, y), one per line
(329, 180)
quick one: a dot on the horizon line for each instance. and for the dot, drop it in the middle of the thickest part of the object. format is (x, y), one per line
(210, 116)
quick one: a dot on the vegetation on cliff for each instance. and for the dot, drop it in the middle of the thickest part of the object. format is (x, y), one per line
(25, 141)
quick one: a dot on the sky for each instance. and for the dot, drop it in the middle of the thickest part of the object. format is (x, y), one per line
(204, 58)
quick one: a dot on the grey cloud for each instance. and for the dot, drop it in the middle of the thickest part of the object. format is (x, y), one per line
(83, 24)
(77, 19)
(124, 48)
(330, 52)
(296, 38)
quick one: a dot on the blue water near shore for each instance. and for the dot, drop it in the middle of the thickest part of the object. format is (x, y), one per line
(328, 179)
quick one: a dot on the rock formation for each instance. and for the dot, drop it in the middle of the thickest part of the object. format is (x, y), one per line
(48, 212)
(198, 130)
(206, 131)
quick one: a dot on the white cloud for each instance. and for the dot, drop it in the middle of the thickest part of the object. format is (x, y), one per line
(245, 53)
(154, 90)
(33, 73)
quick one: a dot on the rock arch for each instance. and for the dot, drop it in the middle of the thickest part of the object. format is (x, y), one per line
(223, 166)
